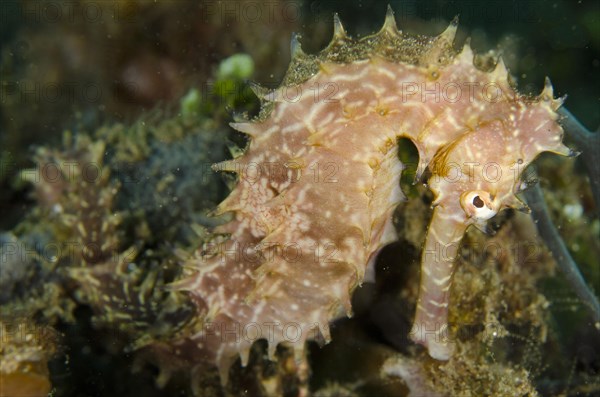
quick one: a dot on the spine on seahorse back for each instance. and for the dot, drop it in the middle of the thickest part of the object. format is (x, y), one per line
(430, 326)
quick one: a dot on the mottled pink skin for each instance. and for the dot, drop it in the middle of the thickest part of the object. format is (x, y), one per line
(320, 181)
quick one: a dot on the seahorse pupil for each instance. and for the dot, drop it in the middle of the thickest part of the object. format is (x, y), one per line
(477, 202)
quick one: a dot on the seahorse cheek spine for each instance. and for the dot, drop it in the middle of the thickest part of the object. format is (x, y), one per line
(319, 182)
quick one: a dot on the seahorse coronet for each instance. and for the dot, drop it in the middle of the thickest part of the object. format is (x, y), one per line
(319, 181)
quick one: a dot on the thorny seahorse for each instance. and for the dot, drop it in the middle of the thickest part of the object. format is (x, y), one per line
(319, 181)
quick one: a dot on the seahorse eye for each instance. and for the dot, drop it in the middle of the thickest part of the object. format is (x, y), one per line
(477, 202)
(479, 205)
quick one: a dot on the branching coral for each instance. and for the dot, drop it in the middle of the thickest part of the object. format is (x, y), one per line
(109, 205)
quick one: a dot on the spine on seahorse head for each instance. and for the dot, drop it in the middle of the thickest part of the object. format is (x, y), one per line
(319, 181)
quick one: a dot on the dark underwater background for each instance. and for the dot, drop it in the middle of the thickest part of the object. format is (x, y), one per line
(126, 71)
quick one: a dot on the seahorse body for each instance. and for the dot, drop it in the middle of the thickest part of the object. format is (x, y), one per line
(319, 181)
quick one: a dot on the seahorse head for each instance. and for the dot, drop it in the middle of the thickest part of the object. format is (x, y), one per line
(474, 176)
(480, 173)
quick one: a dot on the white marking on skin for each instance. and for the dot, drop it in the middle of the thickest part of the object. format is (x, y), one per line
(326, 120)
(424, 311)
(438, 304)
(384, 71)
(292, 127)
(351, 77)
(377, 90)
(540, 126)
(356, 104)
(342, 95)
(441, 281)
